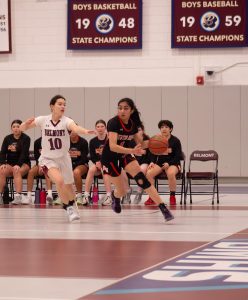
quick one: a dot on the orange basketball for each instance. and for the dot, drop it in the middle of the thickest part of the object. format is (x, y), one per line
(158, 144)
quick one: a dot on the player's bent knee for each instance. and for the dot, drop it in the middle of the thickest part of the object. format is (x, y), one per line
(142, 181)
(76, 173)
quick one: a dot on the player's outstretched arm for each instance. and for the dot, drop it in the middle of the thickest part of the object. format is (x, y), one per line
(80, 130)
(29, 123)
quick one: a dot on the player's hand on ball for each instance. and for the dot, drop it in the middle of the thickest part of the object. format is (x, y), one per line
(137, 150)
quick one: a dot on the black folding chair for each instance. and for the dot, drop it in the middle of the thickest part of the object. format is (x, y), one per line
(203, 171)
(162, 180)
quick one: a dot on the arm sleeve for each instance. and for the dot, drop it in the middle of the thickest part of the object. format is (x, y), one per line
(93, 157)
(38, 121)
(68, 122)
(4, 150)
(37, 148)
(112, 126)
(177, 148)
(84, 152)
(24, 155)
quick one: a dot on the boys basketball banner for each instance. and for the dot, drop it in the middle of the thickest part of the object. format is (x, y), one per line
(104, 24)
(5, 30)
(208, 23)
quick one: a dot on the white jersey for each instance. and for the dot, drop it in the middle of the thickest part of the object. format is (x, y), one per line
(55, 136)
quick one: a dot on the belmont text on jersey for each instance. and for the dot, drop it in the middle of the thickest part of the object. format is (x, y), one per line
(56, 132)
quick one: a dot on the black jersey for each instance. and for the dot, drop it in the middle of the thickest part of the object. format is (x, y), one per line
(146, 157)
(37, 150)
(175, 155)
(96, 147)
(15, 151)
(79, 152)
(125, 132)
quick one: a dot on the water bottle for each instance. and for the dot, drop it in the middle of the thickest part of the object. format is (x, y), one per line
(95, 197)
(37, 196)
(6, 198)
(43, 197)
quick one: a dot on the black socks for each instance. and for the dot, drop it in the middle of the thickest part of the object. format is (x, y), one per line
(70, 203)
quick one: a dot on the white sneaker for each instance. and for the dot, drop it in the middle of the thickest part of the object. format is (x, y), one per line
(72, 214)
(26, 200)
(86, 200)
(57, 201)
(127, 198)
(107, 200)
(138, 197)
(49, 200)
(17, 199)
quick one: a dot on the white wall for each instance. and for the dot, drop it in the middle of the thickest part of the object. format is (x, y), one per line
(203, 117)
(40, 57)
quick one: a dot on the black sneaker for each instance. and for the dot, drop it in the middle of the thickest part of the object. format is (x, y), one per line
(116, 204)
(166, 213)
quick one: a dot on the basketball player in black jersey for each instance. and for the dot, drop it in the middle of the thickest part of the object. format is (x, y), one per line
(119, 154)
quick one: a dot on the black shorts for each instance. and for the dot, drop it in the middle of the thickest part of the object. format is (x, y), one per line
(161, 160)
(115, 164)
(75, 165)
(143, 160)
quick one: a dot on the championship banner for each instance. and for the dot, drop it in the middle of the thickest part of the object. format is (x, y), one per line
(5, 27)
(202, 24)
(104, 24)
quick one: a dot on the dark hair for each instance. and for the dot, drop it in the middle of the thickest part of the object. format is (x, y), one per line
(101, 122)
(165, 123)
(19, 142)
(16, 122)
(135, 116)
(55, 98)
(145, 136)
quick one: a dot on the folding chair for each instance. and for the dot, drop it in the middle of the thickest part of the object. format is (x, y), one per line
(10, 184)
(162, 180)
(39, 178)
(98, 182)
(203, 170)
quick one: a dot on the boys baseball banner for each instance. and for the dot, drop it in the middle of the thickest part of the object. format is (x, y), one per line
(104, 24)
(5, 30)
(208, 23)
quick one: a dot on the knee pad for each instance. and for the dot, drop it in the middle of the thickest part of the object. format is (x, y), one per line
(142, 181)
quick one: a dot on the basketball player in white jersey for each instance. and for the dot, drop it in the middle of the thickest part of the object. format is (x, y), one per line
(55, 158)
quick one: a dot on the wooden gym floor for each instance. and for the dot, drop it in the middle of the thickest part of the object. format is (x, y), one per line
(202, 254)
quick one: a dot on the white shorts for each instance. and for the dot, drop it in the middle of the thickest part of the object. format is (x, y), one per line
(62, 163)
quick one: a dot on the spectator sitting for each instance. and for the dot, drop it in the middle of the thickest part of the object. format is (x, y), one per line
(168, 162)
(14, 159)
(96, 146)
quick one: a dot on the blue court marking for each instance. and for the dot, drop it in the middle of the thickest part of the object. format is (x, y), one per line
(149, 286)
(159, 290)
